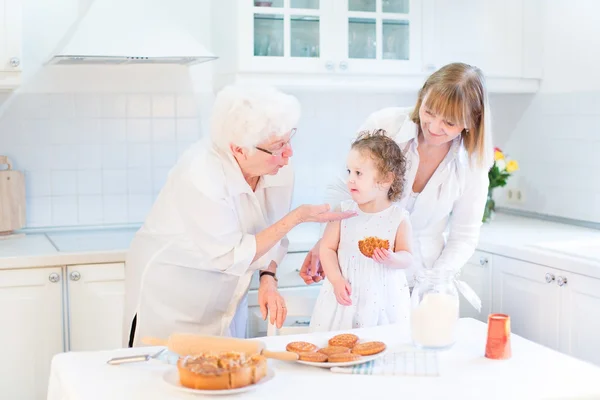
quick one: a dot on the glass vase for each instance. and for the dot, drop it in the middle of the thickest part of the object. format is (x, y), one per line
(490, 207)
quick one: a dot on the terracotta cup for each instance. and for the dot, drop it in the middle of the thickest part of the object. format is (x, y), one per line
(498, 337)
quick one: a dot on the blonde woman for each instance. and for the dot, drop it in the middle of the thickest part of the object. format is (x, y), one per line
(223, 214)
(446, 138)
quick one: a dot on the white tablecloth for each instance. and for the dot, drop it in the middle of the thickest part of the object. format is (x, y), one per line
(533, 372)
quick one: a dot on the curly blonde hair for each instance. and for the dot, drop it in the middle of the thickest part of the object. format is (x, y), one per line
(387, 156)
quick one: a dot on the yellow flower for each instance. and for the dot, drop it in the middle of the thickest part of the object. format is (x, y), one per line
(512, 166)
(498, 155)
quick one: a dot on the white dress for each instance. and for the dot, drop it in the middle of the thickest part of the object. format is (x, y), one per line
(379, 294)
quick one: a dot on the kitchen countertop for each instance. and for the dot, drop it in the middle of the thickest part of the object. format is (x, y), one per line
(89, 245)
(556, 245)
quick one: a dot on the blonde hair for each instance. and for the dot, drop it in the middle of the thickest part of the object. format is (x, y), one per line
(387, 156)
(458, 92)
(247, 115)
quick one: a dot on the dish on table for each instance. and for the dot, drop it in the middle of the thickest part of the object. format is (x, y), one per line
(341, 350)
(219, 373)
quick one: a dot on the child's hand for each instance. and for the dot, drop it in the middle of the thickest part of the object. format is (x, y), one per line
(342, 292)
(390, 258)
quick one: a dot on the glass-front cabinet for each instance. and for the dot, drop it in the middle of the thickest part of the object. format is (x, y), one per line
(380, 36)
(286, 35)
(330, 36)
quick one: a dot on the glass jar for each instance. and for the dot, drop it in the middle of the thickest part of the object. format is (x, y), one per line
(435, 310)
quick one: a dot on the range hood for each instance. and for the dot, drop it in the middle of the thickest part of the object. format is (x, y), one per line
(114, 32)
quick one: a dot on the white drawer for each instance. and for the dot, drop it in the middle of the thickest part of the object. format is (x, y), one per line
(288, 273)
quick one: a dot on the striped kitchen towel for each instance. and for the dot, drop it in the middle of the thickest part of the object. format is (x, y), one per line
(407, 363)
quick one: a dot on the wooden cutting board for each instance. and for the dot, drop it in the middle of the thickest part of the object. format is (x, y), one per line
(12, 199)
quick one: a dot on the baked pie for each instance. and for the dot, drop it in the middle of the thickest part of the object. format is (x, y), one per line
(220, 371)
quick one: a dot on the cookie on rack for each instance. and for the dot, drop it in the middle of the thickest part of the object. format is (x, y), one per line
(368, 245)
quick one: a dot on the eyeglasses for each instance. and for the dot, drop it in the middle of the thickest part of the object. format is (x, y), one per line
(282, 147)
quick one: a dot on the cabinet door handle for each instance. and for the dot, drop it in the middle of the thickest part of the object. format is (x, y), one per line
(561, 281)
(483, 261)
(343, 65)
(302, 323)
(54, 277)
(75, 276)
(329, 65)
(550, 278)
(15, 62)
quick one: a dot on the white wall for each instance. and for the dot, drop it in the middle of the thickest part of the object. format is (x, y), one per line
(96, 143)
(557, 139)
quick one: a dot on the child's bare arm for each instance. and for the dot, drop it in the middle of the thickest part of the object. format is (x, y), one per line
(402, 256)
(328, 251)
(403, 248)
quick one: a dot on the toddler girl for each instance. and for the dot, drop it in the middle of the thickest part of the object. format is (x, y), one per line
(364, 289)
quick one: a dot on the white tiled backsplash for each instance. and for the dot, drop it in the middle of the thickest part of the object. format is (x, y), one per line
(102, 158)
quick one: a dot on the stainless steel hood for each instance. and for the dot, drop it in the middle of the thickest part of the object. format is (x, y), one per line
(114, 32)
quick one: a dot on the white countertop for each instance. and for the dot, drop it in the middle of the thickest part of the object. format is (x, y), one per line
(533, 372)
(556, 245)
(70, 246)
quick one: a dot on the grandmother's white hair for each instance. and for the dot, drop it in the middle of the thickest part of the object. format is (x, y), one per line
(247, 115)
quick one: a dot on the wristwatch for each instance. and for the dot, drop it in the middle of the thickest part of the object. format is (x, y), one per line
(261, 273)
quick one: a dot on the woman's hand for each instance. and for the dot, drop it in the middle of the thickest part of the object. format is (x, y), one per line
(342, 292)
(400, 260)
(271, 302)
(312, 270)
(321, 213)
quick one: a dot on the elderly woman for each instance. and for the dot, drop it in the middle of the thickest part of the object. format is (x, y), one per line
(223, 214)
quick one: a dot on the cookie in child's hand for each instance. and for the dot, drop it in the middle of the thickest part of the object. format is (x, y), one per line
(368, 245)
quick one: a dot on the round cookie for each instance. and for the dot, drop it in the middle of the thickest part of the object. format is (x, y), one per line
(369, 244)
(344, 340)
(312, 356)
(368, 348)
(343, 357)
(301, 347)
(329, 350)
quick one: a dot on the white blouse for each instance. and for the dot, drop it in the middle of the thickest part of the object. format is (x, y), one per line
(447, 215)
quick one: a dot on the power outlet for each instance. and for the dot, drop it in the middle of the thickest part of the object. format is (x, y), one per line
(515, 196)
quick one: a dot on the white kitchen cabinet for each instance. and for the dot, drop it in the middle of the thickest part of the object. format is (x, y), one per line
(503, 38)
(31, 305)
(477, 273)
(10, 44)
(383, 45)
(95, 309)
(258, 327)
(580, 316)
(313, 43)
(529, 294)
